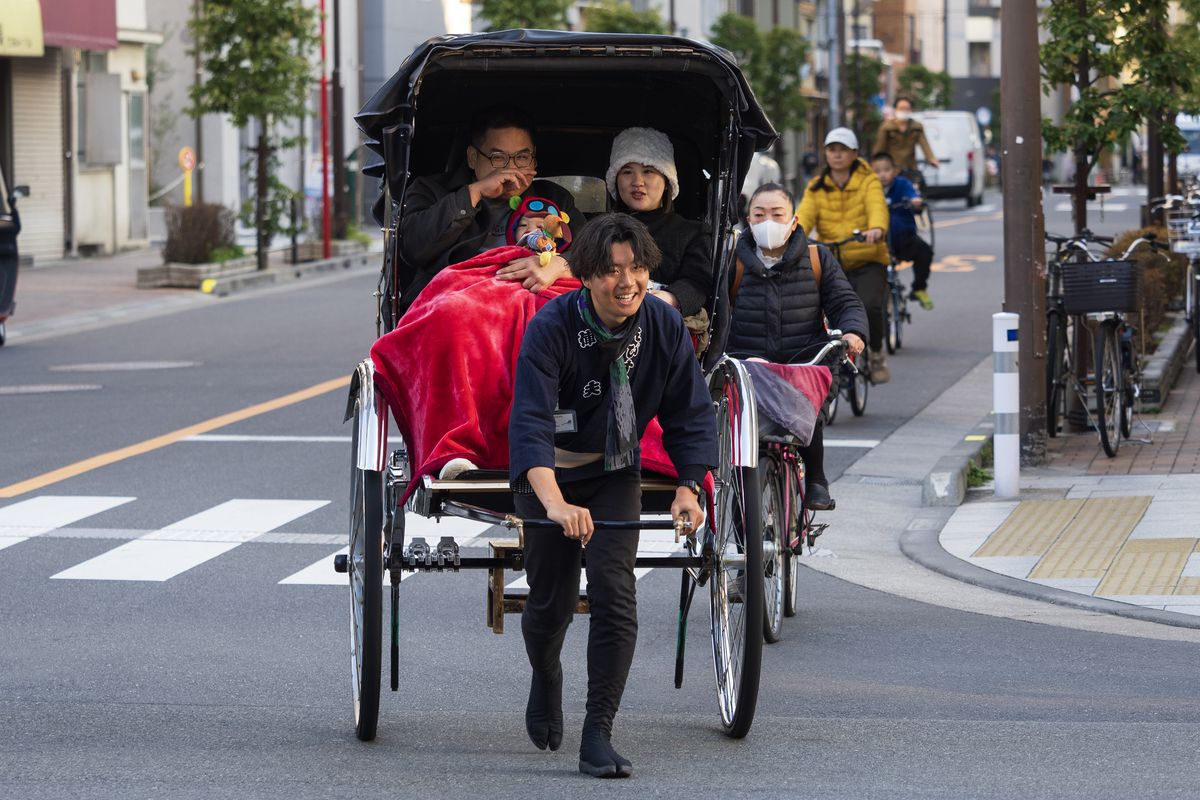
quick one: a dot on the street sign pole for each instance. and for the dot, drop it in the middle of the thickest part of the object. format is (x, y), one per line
(1024, 224)
(326, 248)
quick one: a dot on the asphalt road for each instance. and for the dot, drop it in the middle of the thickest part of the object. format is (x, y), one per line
(230, 678)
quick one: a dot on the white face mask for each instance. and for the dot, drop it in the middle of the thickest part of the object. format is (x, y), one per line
(902, 115)
(770, 234)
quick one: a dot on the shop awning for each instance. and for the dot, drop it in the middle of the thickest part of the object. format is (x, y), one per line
(20, 28)
(85, 24)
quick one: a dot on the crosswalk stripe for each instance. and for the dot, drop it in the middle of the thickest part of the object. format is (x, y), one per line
(466, 532)
(163, 554)
(38, 515)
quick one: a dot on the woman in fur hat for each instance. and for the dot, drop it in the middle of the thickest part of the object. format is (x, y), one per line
(644, 183)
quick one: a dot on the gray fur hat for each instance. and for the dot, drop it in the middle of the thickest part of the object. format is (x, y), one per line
(642, 146)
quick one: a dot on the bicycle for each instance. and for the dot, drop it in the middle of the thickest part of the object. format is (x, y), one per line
(896, 313)
(923, 215)
(853, 377)
(1183, 233)
(1090, 288)
(788, 526)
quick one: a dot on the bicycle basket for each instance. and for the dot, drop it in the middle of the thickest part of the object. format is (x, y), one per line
(1092, 287)
(1183, 231)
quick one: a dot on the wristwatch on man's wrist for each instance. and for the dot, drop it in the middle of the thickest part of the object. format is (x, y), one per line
(690, 484)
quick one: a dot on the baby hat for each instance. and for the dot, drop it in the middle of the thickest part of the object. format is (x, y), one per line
(535, 207)
(642, 146)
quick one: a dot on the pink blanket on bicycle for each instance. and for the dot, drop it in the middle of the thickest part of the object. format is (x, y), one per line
(447, 369)
(789, 395)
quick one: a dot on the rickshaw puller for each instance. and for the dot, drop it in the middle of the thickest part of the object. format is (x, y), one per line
(596, 365)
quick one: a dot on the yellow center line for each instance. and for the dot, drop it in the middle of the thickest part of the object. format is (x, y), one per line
(113, 456)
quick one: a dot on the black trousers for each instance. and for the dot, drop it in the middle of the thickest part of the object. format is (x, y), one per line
(552, 569)
(915, 249)
(870, 284)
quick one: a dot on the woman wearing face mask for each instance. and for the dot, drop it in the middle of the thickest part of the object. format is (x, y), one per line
(644, 183)
(780, 302)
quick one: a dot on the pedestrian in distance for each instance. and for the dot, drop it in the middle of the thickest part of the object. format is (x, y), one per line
(843, 198)
(595, 366)
(903, 199)
(782, 297)
(900, 137)
(452, 217)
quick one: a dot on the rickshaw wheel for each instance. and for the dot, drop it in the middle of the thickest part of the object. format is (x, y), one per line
(365, 568)
(736, 591)
(775, 545)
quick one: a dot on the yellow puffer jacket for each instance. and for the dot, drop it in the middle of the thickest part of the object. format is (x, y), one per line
(830, 214)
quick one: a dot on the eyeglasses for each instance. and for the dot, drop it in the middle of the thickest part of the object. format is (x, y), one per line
(500, 160)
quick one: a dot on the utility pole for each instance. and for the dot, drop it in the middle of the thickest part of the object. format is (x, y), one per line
(856, 99)
(197, 79)
(1024, 224)
(337, 120)
(837, 60)
(326, 221)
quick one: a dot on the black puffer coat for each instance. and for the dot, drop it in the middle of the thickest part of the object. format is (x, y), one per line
(686, 268)
(779, 311)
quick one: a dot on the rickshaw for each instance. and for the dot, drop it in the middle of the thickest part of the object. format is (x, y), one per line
(582, 88)
(10, 227)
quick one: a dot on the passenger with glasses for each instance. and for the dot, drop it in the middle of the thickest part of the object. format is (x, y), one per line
(452, 217)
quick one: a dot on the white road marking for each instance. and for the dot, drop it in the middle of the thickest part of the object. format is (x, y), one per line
(47, 388)
(38, 515)
(231, 437)
(1093, 206)
(163, 554)
(124, 366)
(856, 443)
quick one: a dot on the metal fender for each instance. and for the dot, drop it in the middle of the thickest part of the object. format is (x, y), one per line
(745, 416)
(366, 407)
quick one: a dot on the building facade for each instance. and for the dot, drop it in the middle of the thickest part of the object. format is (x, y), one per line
(73, 123)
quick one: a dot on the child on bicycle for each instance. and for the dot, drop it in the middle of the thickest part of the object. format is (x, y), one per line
(903, 199)
(781, 299)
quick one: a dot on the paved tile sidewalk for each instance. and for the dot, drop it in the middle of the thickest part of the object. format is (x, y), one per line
(1124, 529)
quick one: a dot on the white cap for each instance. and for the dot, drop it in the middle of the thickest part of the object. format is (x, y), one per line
(842, 136)
(642, 146)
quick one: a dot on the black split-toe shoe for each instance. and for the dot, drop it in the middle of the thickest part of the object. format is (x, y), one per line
(543, 713)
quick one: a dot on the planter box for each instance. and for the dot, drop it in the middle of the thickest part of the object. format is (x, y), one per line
(312, 250)
(191, 276)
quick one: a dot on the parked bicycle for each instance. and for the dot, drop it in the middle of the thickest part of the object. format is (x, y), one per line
(1088, 295)
(1183, 232)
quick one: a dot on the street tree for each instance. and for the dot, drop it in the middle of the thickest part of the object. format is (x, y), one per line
(927, 88)
(1123, 68)
(618, 16)
(258, 67)
(772, 61)
(504, 14)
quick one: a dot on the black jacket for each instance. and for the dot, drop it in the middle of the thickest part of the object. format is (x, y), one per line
(779, 311)
(438, 226)
(560, 369)
(686, 268)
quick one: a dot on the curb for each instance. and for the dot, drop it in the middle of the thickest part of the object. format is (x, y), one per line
(1161, 371)
(222, 287)
(923, 547)
(946, 483)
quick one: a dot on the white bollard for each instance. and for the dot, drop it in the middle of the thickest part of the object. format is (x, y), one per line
(1006, 405)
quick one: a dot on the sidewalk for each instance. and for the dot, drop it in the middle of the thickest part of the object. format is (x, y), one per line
(1120, 533)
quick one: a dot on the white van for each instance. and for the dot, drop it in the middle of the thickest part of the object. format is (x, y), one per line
(1188, 162)
(958, 145)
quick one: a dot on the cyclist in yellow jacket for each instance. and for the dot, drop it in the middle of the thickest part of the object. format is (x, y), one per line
(845, 197)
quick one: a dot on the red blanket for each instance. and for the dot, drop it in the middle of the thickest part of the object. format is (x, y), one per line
(447, 369)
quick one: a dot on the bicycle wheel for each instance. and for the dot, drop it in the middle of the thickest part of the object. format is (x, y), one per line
(1129, 391)
(1056, 353)
(365, 568)
(775, 543)
(736, 592)
(1109, 384)
(895, 321)
(859, 385)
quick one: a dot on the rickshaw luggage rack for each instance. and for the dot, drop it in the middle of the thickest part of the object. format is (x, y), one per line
(715, 139)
